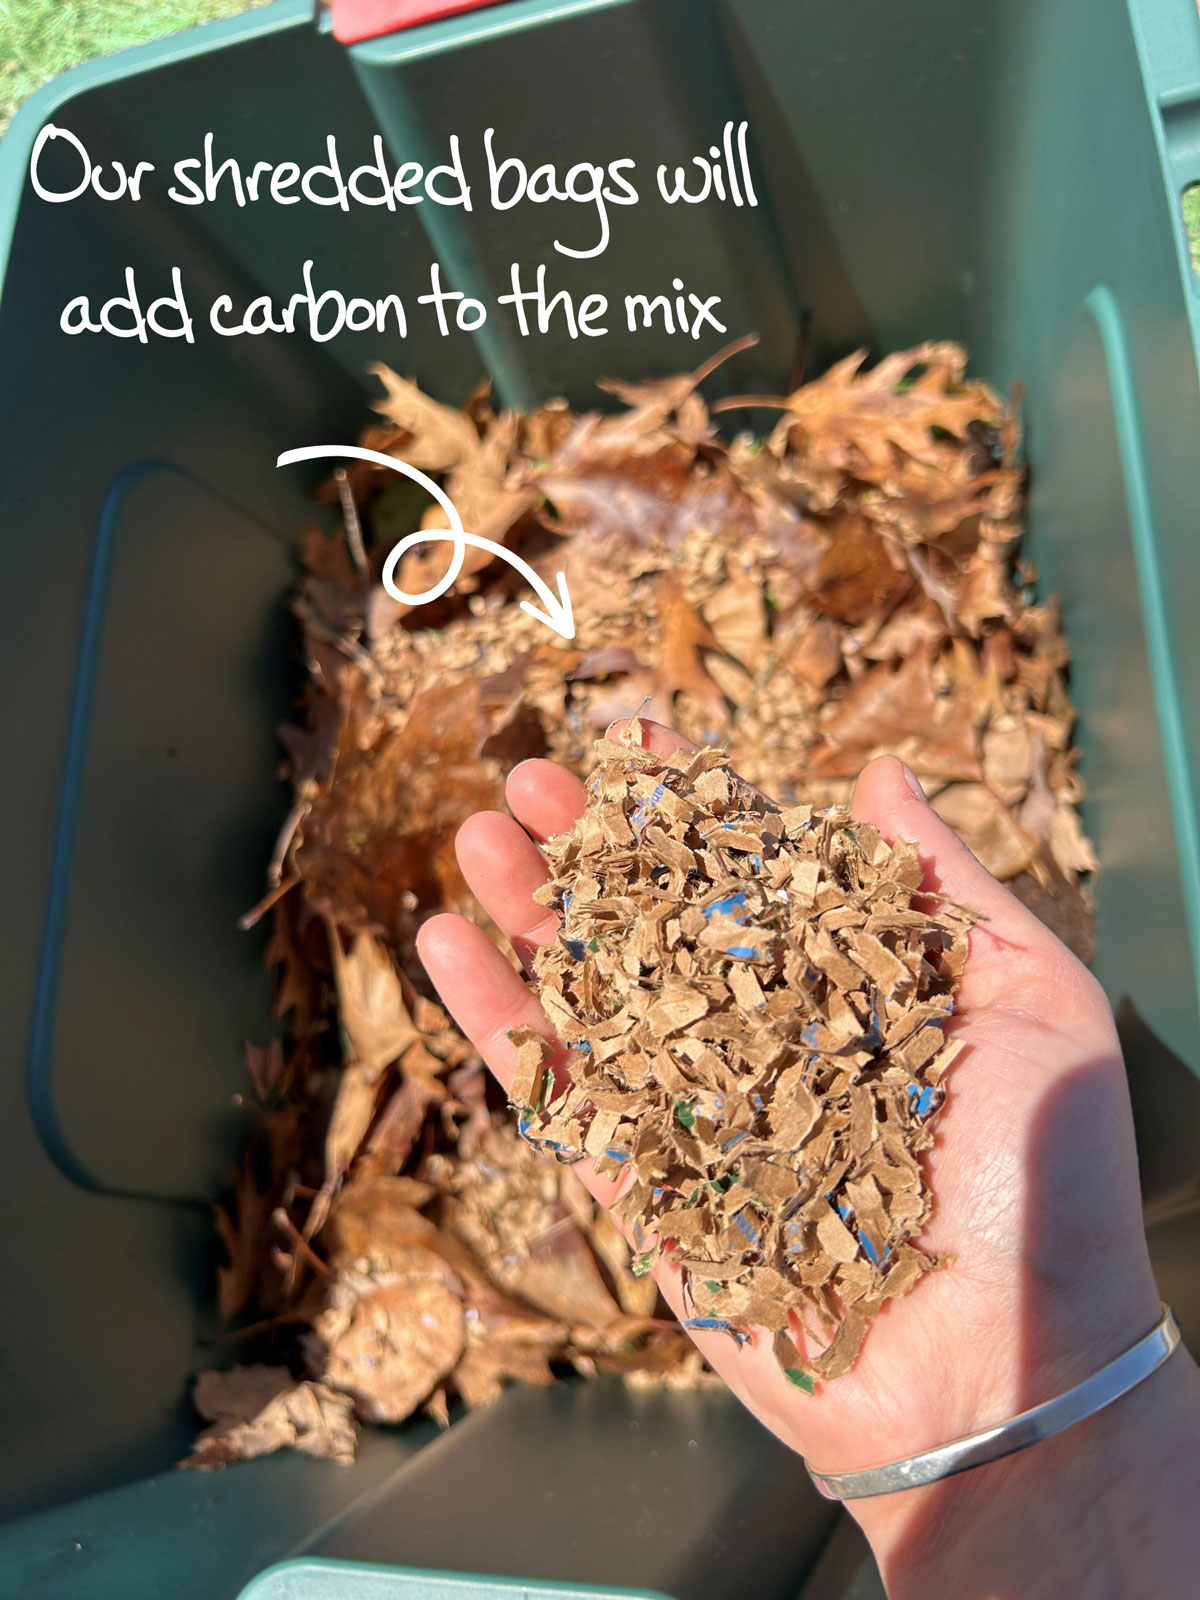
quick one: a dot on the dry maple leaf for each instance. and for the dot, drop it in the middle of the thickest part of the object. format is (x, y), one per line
(438, 436)
(617, 501)
(370, 1001)
(491, 500)
(389, 1346)
(476, 450)
(501, 1348)
(255, 1410)
(987, 828)
(678, 665)
(897, 710)
(851, 420)
(645, 426)
(400, 1123)
(350, 1117)
(488, 496)
(855, 577)
(736, 614)
(386, 831)
(243, 1233)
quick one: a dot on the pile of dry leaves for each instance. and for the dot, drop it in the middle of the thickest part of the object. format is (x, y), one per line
(755, 1007)
(844, 587)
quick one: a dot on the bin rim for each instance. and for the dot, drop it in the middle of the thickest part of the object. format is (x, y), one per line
(483, 22)
(260, 1587)
(17, 141)
(429, 38)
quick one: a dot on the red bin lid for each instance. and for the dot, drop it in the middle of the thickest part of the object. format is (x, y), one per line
(355, 20)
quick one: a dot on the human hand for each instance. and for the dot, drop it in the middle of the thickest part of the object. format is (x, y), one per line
(1033, 1171)
(1031, 1303)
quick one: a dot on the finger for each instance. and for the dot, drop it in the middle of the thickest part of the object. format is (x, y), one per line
(663, 741)
(888, 795)
(655, 736)
(545, 798)
(488, 999)
(482, 992)
(1016, 965)
(503, 867)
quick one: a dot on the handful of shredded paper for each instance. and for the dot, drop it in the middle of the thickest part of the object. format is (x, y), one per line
(755, 1006)
(845, 586)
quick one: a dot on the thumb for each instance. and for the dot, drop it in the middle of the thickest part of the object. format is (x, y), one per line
(888, 795)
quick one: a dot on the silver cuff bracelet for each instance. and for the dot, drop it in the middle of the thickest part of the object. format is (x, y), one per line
(1031, 1427)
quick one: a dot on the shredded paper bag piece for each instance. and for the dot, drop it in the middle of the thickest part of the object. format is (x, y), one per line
(755, 1011)
(845, 586)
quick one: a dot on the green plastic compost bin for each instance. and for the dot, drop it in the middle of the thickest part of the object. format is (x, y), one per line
(1007, 174)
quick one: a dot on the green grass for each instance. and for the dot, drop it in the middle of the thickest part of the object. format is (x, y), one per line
(1190, 201)
(41, 38)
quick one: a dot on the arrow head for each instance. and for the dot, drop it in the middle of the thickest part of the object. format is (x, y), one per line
(558, 614)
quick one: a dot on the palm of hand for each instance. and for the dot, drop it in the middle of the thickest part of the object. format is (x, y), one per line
(1033, 1171)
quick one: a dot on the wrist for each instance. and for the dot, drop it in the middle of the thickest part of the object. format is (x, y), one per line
(1107, 1507)
(972, 1373)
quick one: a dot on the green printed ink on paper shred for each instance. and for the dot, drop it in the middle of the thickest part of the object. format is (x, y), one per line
(686, 1114)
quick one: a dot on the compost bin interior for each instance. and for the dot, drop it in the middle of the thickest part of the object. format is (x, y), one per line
(991, 176)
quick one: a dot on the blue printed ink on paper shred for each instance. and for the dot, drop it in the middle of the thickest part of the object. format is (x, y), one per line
(744, 1226)
(638, 819)
(920, 1101)
(727, 907)
(715, 1325)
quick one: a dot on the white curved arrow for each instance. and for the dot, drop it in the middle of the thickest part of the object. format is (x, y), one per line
(557, 615)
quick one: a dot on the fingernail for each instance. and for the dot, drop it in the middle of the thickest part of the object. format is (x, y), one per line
(615, 729)
(910, 779)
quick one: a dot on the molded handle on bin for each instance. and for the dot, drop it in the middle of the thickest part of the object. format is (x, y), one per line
(356, 20)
